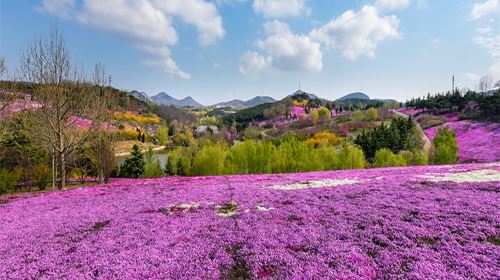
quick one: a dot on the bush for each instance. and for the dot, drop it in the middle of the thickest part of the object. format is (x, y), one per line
(41, 175)
(251, 157)
(133, 167)
(386, 158)
(445, 147)
(351, 157)
(414, 158)
(162, 135)
(8, 180)
(323, 139)
(172, 163)
(152, 167)
(210, 160)
(324, 114)
(371, 114)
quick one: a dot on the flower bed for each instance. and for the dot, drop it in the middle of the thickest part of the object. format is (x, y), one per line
(434, 222)
(477, 141)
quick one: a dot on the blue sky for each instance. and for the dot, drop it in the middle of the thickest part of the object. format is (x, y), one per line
(224, 49)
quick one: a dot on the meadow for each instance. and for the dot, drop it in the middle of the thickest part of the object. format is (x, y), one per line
(428, 222)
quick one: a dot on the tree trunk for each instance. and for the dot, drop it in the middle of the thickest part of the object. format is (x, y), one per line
(63, 171)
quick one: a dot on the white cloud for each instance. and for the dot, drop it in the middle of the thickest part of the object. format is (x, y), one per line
(488, 8)
(284, 51)
(473, 76)
(392, 4)
(148, 24)
(495, 71)
(357, 33)
(489, 41)
(254, 64)
(280, 8)
(61, 8)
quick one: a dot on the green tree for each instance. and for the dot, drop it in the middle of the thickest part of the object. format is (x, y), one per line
(351, 157)
(314, 115)
(386, 158)
(162, 135)
(324, 114)
(445, 147)
(371, 114)
(152, 167)
(133, 167)
(210, 160)
(172, 163)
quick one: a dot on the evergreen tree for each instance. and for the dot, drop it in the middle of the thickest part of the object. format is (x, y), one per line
(133, 167)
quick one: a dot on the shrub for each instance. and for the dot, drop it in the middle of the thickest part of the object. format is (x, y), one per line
(172, 163)
(314, 115)
(210, 160)
(414, 158)
(41, 175)
(324, 114)
(445, 147)
(386, 158)
(371, 114)
(323, 138)
(133, 167)
(152, 167)
(184, 166)
(8, 180)
(351, 157)
(251, 157)
(162, 135)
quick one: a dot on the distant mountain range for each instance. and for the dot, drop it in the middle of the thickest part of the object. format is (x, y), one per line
(240, 104)
(165, 99)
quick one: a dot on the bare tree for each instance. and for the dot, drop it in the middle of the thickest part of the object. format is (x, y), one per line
(64, 99)
(101, 150)
(3, 68)
(485, 83)
(497, 84)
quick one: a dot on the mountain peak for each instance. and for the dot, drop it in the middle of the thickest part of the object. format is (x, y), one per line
(166, 99)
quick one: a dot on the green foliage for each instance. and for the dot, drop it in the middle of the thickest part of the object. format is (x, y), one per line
(397, 137)
(314, 115)
(133, 167)
(445, 147)
(251, 157)
(171, 130)
(371, 114)
(210, 160)
(152, 167)
(8, 180)
(351, 157)
(172, 163)
(386, 158)
(162, 135)
(41, 176)
(324, 114)
(184, 166)
(416, 157)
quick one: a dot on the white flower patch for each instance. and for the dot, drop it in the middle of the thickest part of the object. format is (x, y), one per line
(263, 208)
(184, 207)
(477, 176)
(315, 184)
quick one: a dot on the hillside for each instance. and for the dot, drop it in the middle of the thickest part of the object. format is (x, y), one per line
(416, 222)
(355, 95)
(240, 104)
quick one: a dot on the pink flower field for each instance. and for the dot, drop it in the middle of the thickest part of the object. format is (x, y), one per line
(477, 141)
(434, 222)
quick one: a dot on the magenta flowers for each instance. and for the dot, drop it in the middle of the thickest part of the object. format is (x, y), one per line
(434, 222)
(477, 141)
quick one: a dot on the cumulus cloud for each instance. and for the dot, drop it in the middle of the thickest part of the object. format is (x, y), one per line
(283, 50)
(392, 4)
(61, 8)
(488, 8)
(495, 71)
(148, 24)
(357, 33)
(280, 8)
